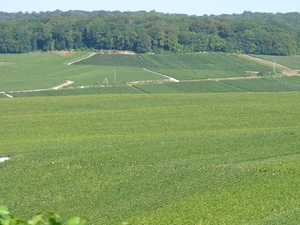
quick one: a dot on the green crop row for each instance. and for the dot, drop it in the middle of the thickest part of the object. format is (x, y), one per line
(188, 87)
(116, 60)
(293, 79)
(194, 74)
(184, 66)
(264, 85)
(156, 159)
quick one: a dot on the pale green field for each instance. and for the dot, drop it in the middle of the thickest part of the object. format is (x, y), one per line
(46, 70)
(228, 158)
(292, 62)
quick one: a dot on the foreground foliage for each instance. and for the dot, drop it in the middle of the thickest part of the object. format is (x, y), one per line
(47, 218)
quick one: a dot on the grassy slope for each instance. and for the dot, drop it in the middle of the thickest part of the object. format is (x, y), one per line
(184, 66)
(154, 159)
(292, 62)
(266, 84)
(188, 87)
(35, 71)
(46, 70)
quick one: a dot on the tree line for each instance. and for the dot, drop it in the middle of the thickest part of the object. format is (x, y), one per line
(249, 33)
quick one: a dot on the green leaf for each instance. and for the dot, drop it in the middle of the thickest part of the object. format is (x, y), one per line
(76, 221)
(13, 221)
(54, 214)
(53, 221)
(4, 210)
(36, 219)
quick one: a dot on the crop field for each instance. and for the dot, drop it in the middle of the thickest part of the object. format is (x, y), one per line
(293, 79)
(195, 74)
(184, 66)
(80, 91)
(188, 87)
(116, 60)
(265, 84)
(42, 71)
(46, 70)
(292, 62)
(271, 84)
(206, 65)
(217, 158)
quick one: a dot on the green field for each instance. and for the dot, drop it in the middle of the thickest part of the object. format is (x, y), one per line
(184, 66)
(227, 158)
(292, 62)
(80, 91)
(118, 72)
(188, 87)
(266, 84)
(46, 70)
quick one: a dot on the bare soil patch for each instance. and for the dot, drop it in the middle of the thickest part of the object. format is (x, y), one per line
(68, 82)
(2, 159)
(116, 52)
(5, 63)
(64, 53)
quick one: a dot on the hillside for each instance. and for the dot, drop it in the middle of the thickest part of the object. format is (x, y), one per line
(84, 73)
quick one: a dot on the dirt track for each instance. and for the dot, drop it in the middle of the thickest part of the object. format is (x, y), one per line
(285, 70)
(170, 78)
(70, 63)
(63, 85)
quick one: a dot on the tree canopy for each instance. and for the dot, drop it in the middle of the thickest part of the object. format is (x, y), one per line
(250, 33)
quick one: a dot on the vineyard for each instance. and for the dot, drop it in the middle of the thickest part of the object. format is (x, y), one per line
(36, 74)
(227, 158)
(292, 62)
(188, 87)
(80, 91)
(264, 84)
(184, 66)
(45, 70)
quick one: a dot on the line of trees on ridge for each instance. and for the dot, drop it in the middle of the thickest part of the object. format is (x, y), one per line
(250, 33)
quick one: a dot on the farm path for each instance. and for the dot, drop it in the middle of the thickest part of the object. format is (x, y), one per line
(232, 78)
(78, 60)
(68, 82)
(286, 70)
(170, 78)
(8, 95)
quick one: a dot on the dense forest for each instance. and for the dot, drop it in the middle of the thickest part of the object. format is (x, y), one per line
(250, 33)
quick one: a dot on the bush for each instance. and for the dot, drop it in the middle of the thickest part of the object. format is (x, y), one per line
(50, 218)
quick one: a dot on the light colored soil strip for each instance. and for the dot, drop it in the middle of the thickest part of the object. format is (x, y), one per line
(232, 78)
(70, 63)
(10, 96)
(68, 82)
(2, 159)
(170, 78)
